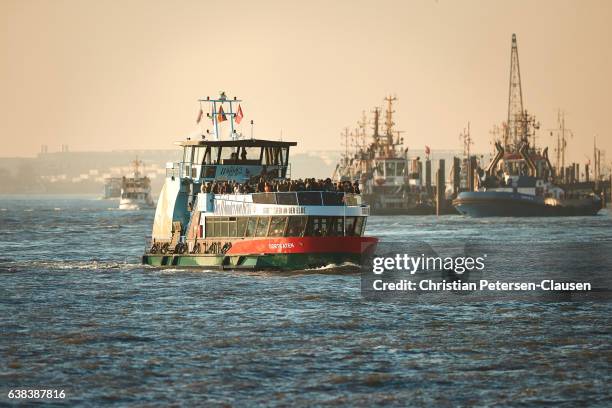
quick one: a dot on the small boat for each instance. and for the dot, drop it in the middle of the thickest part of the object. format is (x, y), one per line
(230, 204)
(136, 191)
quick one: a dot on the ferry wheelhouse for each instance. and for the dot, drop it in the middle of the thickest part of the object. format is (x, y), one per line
(205, 218)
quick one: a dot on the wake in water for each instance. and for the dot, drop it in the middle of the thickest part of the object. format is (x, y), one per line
(56, 265)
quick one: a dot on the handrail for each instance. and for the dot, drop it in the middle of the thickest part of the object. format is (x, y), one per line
(347, 200)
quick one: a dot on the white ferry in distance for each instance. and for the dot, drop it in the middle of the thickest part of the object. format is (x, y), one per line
(230, 204)
(136, 191)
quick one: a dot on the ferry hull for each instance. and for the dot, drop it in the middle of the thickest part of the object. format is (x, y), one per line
(275, 254)
(128, 204)
(506, 204)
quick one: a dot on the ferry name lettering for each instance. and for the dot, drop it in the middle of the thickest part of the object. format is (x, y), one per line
(230, 171)
(287, 210)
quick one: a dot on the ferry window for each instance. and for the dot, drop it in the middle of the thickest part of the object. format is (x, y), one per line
(359, 226)
(224, 229)
(251, 156)
(264, 198)
(262, 227)
(199, 153)
(277, 226)
(288, 198)
(296, 225)
(229, 155)
(333, 198)
(309, 197)
(250, 231)
(389, 169)
(339, 226)
(241, 224)
(318, 226)
(209, 171)
(350, 225)
(314, 228)
(232, 227)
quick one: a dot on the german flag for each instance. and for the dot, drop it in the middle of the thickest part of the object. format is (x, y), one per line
(221, 115)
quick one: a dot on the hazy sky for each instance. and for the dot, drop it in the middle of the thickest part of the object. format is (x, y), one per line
(103, 75)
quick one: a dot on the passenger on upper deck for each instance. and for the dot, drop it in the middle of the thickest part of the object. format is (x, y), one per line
(268, 186)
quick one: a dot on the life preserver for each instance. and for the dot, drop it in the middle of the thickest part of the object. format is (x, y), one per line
(154, 248)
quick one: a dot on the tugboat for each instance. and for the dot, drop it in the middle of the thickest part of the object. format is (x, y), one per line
(393, 184)
(521, 186)
(520, 180)
(136, 191)
(217, 208)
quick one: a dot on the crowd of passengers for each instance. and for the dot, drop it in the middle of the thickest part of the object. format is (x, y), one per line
(269, 186)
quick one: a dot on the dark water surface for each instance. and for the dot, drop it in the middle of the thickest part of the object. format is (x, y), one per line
(79, 313)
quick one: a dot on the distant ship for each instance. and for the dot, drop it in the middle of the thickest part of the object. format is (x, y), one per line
(520, 181)
(391, 182)
(136, 191)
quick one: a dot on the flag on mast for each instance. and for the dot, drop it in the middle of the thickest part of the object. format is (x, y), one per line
(221, 115)
(427, 150)
(200, 115)
(239, 114)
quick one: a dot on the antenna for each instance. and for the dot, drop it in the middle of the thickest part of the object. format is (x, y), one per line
(467, 141)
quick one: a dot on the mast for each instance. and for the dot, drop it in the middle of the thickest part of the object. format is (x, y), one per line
(136, 163)
(389, 118)
(346, 142)
(514, 131)
(562, 133)
(376, 125)
(467, 141)
(362, 130)
(213, 112)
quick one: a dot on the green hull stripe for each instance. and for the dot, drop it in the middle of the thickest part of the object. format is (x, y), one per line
(270, 261)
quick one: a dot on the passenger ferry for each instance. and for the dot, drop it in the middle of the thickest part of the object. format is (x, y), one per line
(212, 212)
(136, 191)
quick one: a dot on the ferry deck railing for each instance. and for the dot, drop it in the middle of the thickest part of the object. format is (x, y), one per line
(304, 198)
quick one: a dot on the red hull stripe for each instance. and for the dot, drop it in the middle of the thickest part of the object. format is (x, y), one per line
(298, 245)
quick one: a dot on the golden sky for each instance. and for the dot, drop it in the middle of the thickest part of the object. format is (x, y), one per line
(104, 75)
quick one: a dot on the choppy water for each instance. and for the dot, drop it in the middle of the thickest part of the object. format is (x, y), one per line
(79, 313)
